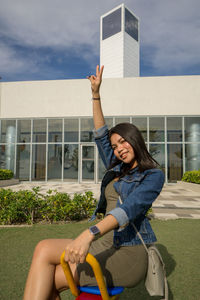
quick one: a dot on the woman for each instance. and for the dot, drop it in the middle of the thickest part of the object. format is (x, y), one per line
(128, 189)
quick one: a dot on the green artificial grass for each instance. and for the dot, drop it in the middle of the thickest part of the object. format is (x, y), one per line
(178, 241)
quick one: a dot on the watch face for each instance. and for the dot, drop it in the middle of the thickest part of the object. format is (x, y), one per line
(94, 230)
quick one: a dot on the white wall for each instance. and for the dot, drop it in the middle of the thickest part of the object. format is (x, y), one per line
(112, 56)
(131, 56)
(178, 95)
(45, 98)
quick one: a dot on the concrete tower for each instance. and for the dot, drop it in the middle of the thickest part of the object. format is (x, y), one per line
(119, 43)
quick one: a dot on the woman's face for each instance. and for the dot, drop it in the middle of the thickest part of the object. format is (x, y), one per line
(122, 149)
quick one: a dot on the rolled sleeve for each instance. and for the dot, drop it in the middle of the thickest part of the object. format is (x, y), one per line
(120, 215)
(100, 131)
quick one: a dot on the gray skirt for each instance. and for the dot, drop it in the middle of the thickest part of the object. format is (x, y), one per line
(124, 266)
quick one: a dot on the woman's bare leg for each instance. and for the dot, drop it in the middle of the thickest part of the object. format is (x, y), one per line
(46, 277)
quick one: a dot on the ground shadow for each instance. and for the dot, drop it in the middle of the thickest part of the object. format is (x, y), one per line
(168, 259)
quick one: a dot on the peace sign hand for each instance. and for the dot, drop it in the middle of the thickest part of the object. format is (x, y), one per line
(96, 80)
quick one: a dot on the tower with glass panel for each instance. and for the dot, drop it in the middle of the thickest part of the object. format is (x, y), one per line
(119, 43)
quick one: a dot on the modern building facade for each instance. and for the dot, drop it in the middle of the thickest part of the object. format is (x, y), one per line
(46, 126)
(119, 43)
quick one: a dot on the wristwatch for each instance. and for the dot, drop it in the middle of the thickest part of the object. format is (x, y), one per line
(95, 231)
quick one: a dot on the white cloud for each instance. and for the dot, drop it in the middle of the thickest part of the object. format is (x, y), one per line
(170, 29)
(51, 23)
(11, 62)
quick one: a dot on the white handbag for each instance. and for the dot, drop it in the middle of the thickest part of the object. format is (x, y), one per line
(156, 280)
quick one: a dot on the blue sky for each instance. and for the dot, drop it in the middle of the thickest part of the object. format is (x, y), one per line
(59, 39)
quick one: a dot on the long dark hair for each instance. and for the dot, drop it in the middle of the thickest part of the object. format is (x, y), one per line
(134, 137)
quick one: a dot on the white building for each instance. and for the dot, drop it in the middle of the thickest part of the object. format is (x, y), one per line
(119, 43)
(46, 126)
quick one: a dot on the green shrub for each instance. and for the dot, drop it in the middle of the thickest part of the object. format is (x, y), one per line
(19, 207)
(192, 176)
(6, 174)
(31, 206)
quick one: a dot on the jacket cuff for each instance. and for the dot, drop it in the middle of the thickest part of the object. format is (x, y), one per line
(121, 217)
(100, 131)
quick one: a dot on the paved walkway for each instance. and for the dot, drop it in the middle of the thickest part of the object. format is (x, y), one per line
(179, 200)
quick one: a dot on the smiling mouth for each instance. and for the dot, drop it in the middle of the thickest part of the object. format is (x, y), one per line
(124, 155)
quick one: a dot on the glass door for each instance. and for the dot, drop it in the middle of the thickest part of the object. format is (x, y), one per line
(88, 166)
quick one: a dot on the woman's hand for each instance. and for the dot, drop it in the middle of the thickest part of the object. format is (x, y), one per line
(77, 250)
(96, 81)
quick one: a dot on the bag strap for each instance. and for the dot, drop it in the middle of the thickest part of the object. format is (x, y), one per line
(159, 255)
(137, 232)
(139, 235)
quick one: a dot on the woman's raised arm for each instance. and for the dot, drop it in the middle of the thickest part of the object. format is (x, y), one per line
(96, 80)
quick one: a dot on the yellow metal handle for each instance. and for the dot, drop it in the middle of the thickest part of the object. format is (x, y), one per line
(98, 275)
(97, 272)
(68, 275)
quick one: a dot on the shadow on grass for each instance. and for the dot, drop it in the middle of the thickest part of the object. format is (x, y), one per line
(139, 292)
(170, 264)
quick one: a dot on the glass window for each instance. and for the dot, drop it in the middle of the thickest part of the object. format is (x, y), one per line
(156, 129)
(192, 157)
(111, 24)
(38, 162)
(23, 162)
(71, 130)
(192, 129)
(7, 157)
(175, 162)
(174, 129)
(131, 25)
(141, 124)
(55, 130)
(87, 130)
(2, 156)
(23, 131)
(122, 120)
(102, 169)
(8, 130)
(158, 153)
(88, 165)
(39, 130)
(54, 161)
(71, 161)
(109, 122)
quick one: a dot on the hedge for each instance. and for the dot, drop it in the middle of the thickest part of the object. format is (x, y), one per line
(192, 176)
(30, 206)
(6, 174)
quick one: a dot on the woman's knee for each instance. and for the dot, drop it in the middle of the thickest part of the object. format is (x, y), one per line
(50, 250)
(43, 250)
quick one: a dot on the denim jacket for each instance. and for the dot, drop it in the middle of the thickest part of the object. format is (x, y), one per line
(137, 191)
